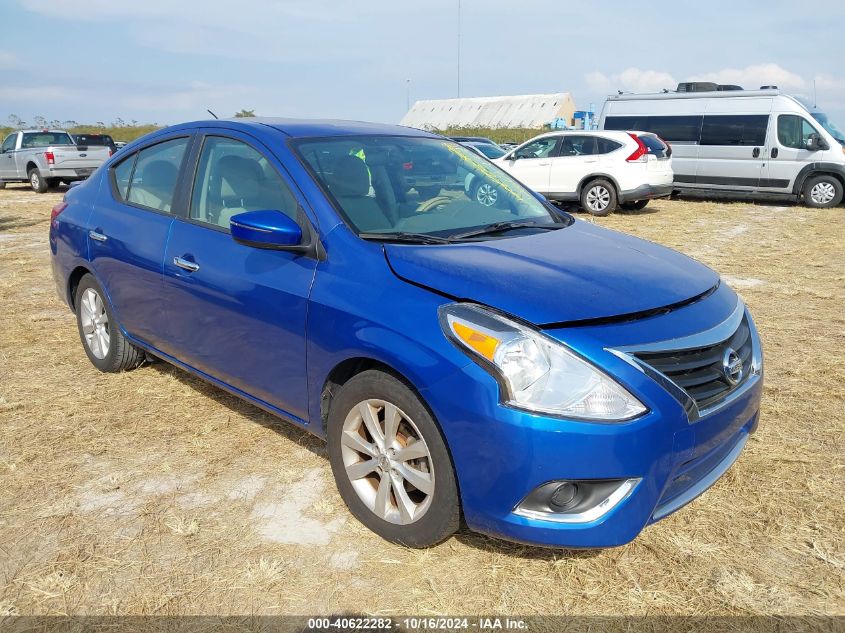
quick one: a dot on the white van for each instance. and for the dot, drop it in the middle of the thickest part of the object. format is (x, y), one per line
(754, 142)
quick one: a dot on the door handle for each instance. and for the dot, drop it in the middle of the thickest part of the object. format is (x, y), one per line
(97, 236)
(774, 152)
(756, 152)
(543, 164)
(185, 264)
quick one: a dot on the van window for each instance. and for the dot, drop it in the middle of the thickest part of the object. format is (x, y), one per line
(743, 129)
(794, 131)
(678, 129)
(675, 129)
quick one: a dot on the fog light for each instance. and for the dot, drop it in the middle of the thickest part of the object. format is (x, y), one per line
(564, 496)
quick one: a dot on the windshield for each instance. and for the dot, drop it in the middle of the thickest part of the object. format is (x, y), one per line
(490, 151)
(830, 126)
(45, 139)
(386, 184)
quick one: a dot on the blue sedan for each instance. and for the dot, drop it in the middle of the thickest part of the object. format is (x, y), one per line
(550, 381)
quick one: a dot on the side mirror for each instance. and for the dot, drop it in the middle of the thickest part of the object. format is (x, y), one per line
(267, 229)
(815, 143)
(511, 156)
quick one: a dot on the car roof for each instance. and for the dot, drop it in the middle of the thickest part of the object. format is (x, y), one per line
(303, 128)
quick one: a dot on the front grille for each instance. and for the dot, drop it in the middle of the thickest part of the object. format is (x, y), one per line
(700, 371)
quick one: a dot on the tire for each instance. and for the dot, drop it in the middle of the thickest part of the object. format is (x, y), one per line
(634, 206)
(36, 181)
(485, 194)
(598, 197)
(2, 184)
(822, 192)
(432, 515)
(104, 343)
(428, 192)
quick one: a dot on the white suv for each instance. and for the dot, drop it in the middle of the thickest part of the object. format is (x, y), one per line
(601, 169)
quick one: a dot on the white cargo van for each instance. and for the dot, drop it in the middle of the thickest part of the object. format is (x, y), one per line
(750, 142)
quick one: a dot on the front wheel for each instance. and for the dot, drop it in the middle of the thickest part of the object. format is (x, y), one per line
(822, 192)
(390, 462)
(104, 343)
(38, 183)
(598, 197)
(634, 206)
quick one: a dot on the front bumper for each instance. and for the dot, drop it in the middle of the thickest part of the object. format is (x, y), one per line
(646, 192)
(502, 454)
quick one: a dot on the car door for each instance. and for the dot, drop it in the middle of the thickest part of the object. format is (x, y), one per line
(8, 169)
(788, 153)
(731, 154)
(577, 157)
(236, 312)
(531, 163)
(129, 226)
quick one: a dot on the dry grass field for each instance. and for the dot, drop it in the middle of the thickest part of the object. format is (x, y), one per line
(151, 492)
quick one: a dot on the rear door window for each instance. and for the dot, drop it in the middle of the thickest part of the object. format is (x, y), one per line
(153, 183)
(578, 146)
(123, 175)
(743, 129)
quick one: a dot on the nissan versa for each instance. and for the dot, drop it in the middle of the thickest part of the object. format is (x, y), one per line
(551, 381)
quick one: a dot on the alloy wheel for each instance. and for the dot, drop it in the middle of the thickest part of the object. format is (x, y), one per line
(95, 323)
(387, 461)
(823, 193)
(487, 195)
(34, 180)
(598, 198)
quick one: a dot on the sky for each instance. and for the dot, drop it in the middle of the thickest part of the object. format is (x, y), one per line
(167, 61)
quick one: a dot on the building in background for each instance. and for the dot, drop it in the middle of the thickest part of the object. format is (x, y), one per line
(521, 111)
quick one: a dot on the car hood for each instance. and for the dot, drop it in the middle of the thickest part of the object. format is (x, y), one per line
(581, 272)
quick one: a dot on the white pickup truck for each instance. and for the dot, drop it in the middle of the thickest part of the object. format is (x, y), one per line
(44, 158)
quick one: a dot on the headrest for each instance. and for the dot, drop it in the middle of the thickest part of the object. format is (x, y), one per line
(351, 177)
(240, 177)
(160, 175)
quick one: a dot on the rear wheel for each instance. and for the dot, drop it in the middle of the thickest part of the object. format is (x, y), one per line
(634, 206)
(107, 348)
(822, 192)
(2, 184)
(598, 197)
(390, 462)
(36, 181)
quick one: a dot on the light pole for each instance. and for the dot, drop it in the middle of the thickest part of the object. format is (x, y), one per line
(459, 48)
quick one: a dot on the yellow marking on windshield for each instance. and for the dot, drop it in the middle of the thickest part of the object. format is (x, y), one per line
(464, 155)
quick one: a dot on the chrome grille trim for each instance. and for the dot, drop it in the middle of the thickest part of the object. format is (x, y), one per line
(714, 336)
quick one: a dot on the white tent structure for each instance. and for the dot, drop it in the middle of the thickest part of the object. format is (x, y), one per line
(529, 111)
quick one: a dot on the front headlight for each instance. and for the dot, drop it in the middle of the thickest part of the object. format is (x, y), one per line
(536, 372)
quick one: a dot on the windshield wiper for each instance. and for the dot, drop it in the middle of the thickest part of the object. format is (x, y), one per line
(419, 238)
(507, 225)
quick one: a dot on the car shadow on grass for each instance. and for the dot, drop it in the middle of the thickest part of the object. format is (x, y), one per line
(238, 405)
(317, 446)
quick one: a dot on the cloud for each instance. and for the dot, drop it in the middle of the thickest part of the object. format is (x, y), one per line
(193, 98)
(630, 80)
(830, 90)
(755, 76)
